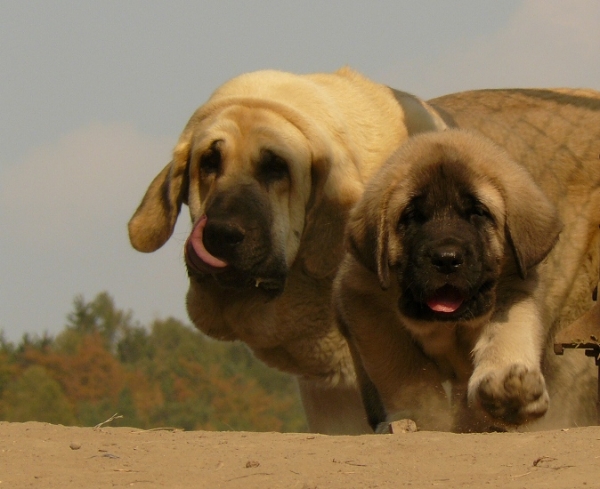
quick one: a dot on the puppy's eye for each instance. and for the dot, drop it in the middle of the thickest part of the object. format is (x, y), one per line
(272, 168)
(480, 210)
(210, 161)
(414, 212)
(406, 217)
(411, 214)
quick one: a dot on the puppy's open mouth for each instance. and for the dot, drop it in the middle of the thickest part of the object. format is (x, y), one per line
(446, 299)
(197, 257)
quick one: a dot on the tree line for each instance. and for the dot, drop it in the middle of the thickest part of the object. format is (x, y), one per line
(165, 374)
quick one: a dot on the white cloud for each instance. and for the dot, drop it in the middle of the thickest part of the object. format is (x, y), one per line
(64, 210)
(90, 177)
(547, 43)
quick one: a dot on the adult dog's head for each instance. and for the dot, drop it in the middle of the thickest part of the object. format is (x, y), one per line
(269, 168)
(450, 213)
(250, 168)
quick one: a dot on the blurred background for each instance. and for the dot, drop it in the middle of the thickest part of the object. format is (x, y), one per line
(92, 99)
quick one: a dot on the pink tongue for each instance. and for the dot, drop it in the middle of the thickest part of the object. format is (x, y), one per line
(447, 299)
(196, 240)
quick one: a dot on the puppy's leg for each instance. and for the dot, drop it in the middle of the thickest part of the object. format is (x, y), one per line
(507, 381)
(397, 380)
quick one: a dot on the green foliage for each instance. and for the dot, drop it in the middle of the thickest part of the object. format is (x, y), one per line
(134, 346)
(36, 395)
(7, 370)
(165, 375)
(99, 316)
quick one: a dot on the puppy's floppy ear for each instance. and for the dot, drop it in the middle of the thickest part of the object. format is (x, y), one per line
(383, 239)
(367, 232)
(532, 221)
(154, 220)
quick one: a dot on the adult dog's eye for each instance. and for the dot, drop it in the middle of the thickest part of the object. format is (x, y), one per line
(272, 168)
(210, 161)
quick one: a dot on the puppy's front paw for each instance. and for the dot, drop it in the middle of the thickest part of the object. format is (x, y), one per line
(513, 395)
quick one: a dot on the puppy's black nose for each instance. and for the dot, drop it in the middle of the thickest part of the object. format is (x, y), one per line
(447, 259)
(222, 237)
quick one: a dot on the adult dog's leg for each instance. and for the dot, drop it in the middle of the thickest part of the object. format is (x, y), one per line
(333, 410)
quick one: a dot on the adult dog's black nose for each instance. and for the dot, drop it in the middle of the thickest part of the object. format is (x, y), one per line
(222, 237)
(447, 258)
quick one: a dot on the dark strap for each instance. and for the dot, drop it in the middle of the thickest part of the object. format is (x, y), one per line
(417, 118)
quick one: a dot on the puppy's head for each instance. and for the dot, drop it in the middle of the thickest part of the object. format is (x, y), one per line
(447, 215)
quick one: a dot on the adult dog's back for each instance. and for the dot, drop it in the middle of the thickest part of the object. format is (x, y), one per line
(555, 134)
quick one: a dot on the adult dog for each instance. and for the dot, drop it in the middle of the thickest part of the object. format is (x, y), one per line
(269, 168)
(442, 294)
(275, 161)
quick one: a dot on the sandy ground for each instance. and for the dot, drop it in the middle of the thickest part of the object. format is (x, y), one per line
(48, 456)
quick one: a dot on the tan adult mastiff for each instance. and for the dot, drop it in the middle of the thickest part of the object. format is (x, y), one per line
(269, 167)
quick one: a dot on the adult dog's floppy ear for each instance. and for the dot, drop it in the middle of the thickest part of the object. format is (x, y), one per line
(335, 188)
(532, 221)
(154, 220)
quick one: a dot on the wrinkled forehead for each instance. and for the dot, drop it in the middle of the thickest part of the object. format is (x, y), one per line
(445, 183)
(245, 132)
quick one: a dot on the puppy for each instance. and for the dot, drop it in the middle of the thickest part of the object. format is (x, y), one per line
(439, 293)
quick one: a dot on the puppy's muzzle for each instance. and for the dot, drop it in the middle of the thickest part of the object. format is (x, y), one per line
(448, 261)
(448, 258)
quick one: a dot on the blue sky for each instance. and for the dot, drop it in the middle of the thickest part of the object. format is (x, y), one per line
(94, 94)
